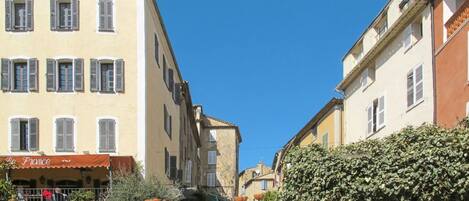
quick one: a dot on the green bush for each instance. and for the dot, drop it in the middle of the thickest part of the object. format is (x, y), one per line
(133, 187)
(271, 196)
(82, 195)
(424, 163)
(7, 190)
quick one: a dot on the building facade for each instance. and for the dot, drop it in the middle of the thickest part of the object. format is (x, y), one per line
(219, 154)
(325, 128)
(91, 78)
(256, 180)
(451, 60)
(388, 74)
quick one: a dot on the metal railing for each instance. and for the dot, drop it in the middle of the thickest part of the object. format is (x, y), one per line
(36, 194)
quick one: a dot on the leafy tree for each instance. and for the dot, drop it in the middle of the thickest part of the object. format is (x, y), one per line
(424, 163)
(7, 190)
(271, 196)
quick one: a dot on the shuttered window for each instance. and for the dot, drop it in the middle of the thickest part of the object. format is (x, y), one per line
(263, 184)
(64, 75)
(19, 15)
(20, 79)
(325, 141)
(106, 15)
(167, 121)
(24, 134)
(107, 76)
(64, 15)
(157, 50)
(166, 161)
(211, 179)
(415, 86)
(107, 135)
(65, 72)
(212, 157)
(165, 71)
(376, 115)
(64, 135)
(212, 136)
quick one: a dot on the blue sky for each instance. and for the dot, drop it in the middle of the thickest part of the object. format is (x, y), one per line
(265, 65)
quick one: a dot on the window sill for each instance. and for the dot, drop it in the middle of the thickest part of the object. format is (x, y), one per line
(375, 132)
(413, 44)
(367, 86)
(409, 108)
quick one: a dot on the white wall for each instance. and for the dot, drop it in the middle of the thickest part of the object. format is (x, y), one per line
(392, 66)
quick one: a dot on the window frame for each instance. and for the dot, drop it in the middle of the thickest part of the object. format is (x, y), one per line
(210, 154)
(13, 14)
(54, 138)
(375, 115)
(114, 19)
(14, 62)
(212, 136)
(59, 12)
(413, 73)
(23, 118)
(57, 76)
(116, 135)
(211, 179)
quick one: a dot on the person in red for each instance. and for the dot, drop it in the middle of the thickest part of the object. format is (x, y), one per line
(46, 195)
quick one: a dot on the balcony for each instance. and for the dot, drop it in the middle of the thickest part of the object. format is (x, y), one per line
(458, 18)
(36, 194)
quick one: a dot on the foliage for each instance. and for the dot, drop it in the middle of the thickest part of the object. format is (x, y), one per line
(133, 187)
(82, 195)
(271, 196)
(424, 163)
(7, 190)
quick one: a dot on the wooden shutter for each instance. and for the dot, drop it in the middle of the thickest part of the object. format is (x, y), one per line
(177, 94)
(75, 15)
(15, 134)
(157, 50)
(165, 71)
(9, 15)
(59, 134)
(407, 40)
(102, 15)
(171, 79)
(51, 75)
(6, 81)
(369, 111)
(109, 15)
(410, 89)
(94, 75)
(173, 167)
(68, 135)
(381, 112)
(33, 74)
(111, 135)
(119, 66)
(418, 83)
(78, 63)
(53, 15)
(33, 134)
(29, 15)
(166, 161)
(102, 135)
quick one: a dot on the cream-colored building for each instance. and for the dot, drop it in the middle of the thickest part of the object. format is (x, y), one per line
(219, 154)
(388, 73)
(255, 180)
(90, 77)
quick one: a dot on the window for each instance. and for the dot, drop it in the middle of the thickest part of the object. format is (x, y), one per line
(212, 157)
(211, 179)
(106, 15)
(165, 71)
(107, 135)
(64, 75)
(189, 172)
(415, 86)
(263, 185)
(107, 76)
(24, 134)
(382, 27)
(314, 131)
(412, 34)
(157, 50)
(166, 162)
(358, 53)
(212, 136)
(367, 77)
(325, 141)
(19, 75)
(64, 135)
(376, 115)
(64, 15)
(19, 15)
(167, 122)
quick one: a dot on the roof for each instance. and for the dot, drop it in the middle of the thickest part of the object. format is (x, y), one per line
(268, 176)
(414, 8)
(212, 122)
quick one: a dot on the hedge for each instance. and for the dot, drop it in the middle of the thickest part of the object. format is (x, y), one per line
(424, 163)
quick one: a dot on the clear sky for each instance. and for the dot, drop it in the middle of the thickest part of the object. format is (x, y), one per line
(265, 65)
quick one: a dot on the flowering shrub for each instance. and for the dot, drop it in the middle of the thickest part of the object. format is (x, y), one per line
(424, 163)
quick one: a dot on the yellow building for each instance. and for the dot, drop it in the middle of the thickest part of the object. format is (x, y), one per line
(93, 80)
(325, 128)
(255, 180)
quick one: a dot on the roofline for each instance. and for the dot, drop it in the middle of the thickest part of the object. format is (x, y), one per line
(170, 46)
(231, 125)
(370, 26)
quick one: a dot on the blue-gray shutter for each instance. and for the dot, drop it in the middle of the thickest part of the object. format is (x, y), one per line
(94, 75)
(119, 66)
(15, 135)
(53, 15)
(59, 132)
(9, 15)
(171, 79)
(51, 75)
(102, 17)
(75, 15)
(68, 135)
(33, 134)
(78, 74)
(111, 135)
(6, 68)
(33, 74)
(109, 15)
(177, 93)
(102, 135)
(29, 15)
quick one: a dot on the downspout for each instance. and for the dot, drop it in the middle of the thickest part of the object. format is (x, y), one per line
(432, 17)
(342, 117)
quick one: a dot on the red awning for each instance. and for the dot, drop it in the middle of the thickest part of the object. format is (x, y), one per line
(69, 161)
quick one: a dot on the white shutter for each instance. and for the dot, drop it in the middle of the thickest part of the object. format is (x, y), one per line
(410, 89)
(381, 112)
(212, 157)
(418, 83)
(369, 111)
(407, 40)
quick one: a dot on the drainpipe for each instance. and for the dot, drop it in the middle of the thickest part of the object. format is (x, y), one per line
(432, 17)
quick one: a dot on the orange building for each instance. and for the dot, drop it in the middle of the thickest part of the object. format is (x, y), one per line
(451, 63)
